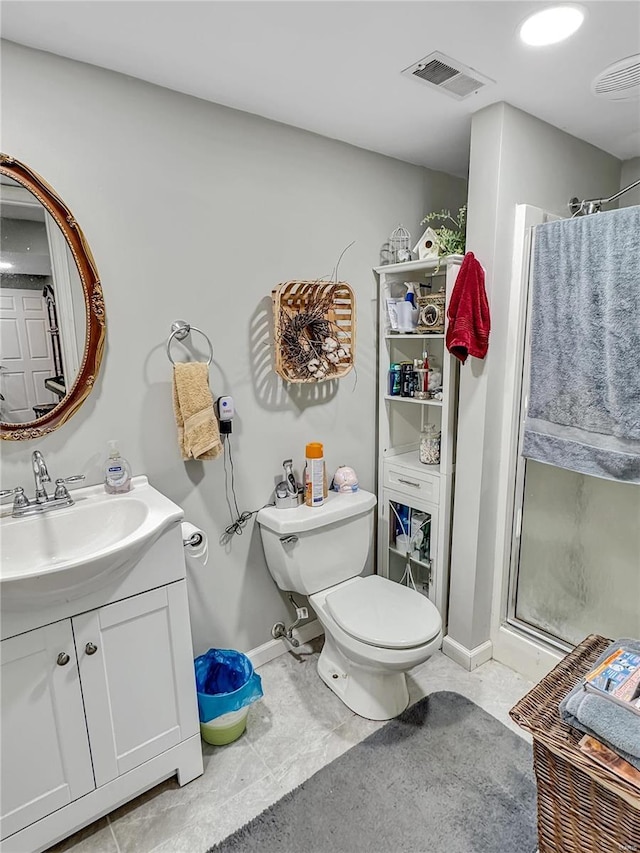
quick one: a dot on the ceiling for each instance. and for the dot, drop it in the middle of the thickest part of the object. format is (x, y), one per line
(334, 67)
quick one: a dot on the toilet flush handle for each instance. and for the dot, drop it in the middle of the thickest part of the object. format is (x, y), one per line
(291, 539)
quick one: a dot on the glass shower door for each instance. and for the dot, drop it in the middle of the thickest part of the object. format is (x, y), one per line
(578, 555)
(575, 549)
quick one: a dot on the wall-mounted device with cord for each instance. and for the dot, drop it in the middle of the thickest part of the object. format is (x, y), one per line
(225, 411)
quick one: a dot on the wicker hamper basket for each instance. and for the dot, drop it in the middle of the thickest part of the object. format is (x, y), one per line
(582, 807)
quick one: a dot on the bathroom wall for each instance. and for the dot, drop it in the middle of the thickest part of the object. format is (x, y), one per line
(630, 173)
(196, 211)
(25, 235)
(515, 158)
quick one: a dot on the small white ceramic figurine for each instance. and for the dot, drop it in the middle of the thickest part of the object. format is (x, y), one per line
(345, 480)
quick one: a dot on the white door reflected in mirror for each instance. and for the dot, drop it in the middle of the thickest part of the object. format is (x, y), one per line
(42, 316)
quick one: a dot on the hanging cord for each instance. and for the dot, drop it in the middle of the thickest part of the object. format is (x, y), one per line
(241, 518)
(408, 574)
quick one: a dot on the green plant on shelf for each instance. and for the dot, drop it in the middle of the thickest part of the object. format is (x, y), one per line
(451, 241)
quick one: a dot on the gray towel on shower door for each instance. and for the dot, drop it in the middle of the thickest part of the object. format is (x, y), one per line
(584, 402)
(615, 726)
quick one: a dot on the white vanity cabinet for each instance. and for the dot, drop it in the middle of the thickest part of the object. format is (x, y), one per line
(136, 672)
(46, 761)
(98, 699)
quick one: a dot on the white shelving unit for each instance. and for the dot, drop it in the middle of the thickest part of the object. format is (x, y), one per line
(404, 483)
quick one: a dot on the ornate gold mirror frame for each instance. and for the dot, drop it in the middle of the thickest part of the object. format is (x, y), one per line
(93, 300)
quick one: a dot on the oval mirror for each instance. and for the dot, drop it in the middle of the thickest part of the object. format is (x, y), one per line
(52, 317)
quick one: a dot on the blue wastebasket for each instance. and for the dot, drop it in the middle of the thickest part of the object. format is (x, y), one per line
(227, 685)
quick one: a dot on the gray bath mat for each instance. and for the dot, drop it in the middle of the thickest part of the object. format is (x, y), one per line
(444, 777)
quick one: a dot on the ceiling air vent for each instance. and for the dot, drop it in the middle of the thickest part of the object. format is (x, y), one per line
(620, 81)
(447, 75)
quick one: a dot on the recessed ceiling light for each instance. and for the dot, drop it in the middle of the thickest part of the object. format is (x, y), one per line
(551, 25)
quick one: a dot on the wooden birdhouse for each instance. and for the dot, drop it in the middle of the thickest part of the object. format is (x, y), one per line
(427, 247)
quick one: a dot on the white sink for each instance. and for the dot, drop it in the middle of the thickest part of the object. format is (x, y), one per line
(65, 553)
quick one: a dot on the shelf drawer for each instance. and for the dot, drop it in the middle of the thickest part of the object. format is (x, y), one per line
(412, 482)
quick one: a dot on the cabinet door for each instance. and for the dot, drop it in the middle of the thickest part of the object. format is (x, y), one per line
(409, 525)
(136, 666)
(45, 751)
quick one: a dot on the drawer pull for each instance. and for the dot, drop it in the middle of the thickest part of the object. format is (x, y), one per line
(91, 648)
(63, 659)
(409, 483)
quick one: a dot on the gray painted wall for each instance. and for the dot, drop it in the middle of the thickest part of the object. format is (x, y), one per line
(25, 235)
(196, 211)
(630, 173)
(515, 159)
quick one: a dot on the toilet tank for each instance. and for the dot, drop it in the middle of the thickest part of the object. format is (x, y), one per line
(311, 548)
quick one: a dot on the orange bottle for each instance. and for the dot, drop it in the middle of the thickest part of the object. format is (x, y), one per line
(315, 475)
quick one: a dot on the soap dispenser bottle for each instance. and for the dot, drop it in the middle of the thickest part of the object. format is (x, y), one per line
(117, 472)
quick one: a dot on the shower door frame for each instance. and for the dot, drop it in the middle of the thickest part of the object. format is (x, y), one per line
(516, 643)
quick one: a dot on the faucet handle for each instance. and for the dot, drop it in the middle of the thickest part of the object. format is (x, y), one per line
(6, 492)
(61, 491)
(19, 500)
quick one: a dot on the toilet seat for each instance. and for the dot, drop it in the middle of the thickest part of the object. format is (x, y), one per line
(382, 613)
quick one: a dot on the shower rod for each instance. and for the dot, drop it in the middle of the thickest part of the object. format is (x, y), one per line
(593, 205)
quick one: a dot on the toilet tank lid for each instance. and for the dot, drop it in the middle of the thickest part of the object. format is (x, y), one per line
(337, 507)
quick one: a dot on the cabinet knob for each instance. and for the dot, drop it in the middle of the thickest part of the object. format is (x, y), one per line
(63, 659)
(91, 648)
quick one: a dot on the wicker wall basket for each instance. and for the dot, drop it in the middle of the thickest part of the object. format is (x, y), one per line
(314, 330)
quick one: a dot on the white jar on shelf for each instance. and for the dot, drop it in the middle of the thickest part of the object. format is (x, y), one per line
(429, 453)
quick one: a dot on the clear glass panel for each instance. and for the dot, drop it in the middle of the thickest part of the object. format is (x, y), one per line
(579, 569)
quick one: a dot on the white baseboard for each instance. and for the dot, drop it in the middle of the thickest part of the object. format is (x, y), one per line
(469, 659)
(274, 648)
(523, 654)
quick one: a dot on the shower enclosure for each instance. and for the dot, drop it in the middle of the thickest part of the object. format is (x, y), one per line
(576, 563)
(571, 542)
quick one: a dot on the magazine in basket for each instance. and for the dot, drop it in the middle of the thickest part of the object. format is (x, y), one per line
(606, 757)
(617, 678)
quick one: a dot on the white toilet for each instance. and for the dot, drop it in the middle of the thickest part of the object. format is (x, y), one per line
(375, 629)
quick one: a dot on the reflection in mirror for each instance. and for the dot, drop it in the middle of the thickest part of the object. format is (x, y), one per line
(52, 315)
(42, 316)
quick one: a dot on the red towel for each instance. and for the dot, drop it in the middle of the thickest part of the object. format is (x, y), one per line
(468, 312)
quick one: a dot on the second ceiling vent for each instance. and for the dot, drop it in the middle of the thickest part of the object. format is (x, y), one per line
(447, 75)
(620, 81)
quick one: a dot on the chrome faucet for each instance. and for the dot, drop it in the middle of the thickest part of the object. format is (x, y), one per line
(42, 502)
(41, 476)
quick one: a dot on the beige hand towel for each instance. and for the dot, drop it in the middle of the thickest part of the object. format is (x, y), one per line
(198, 433)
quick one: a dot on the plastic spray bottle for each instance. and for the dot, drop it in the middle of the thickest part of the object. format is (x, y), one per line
(315, 475)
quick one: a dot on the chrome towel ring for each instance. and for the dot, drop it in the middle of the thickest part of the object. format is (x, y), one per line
(180, 330)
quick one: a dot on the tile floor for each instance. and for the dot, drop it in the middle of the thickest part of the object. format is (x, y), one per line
(297, 728)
